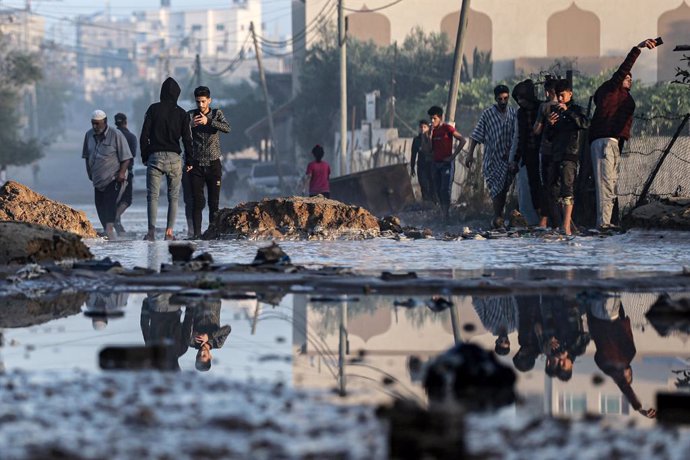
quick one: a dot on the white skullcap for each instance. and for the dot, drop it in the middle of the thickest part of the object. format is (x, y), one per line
(98, 115)
(99, 323)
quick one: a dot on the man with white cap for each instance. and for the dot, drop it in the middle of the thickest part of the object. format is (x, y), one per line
(107, 158)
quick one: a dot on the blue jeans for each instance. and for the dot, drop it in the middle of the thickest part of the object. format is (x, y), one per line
(442, 173)
(159, 164)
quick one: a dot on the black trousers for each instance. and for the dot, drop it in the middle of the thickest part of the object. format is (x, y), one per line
(106, 203)
(187, 195)
(209, 176)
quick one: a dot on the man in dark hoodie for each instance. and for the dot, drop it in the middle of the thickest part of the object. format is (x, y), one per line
(165, 124)
(610, 129)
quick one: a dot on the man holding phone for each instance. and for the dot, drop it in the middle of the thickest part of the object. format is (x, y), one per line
(204, 166)
(610, 128)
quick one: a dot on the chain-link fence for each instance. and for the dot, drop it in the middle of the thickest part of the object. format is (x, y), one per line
(654, 139)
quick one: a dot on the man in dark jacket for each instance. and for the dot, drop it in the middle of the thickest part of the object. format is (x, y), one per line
(420, 161)
(610, 129)
(126, 196)
(568, 124)
(204, 166)
(207, 333)
(165, 124)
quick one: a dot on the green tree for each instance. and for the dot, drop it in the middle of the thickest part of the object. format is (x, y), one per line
(17, 69)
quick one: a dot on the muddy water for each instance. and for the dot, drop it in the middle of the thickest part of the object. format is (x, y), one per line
(634, 251)
(297, 342)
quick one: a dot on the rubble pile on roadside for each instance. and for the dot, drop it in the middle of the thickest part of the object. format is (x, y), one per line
(293, 218)
(20, 203)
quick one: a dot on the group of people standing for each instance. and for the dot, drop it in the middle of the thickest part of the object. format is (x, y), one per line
(195, 165)
(545, 138)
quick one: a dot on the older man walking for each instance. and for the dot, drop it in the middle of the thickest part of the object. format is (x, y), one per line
(107, 158)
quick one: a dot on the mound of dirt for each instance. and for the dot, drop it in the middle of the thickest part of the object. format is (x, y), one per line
(294, 218)
(22, 243)
(20, 203)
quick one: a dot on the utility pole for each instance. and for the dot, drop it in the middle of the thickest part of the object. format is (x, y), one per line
(269, 115)
(342, 42)
(395, 63)
(457, 63)
(197, 69)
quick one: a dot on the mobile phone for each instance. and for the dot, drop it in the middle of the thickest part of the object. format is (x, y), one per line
(658, 41)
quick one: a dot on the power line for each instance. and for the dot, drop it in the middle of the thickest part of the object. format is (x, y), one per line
(375, 9)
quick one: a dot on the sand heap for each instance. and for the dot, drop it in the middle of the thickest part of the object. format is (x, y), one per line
(294, 218)
(20, 203)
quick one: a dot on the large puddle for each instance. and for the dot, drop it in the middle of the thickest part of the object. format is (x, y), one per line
(572, 354)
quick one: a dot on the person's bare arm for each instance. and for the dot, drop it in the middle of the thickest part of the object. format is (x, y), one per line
(470, 153)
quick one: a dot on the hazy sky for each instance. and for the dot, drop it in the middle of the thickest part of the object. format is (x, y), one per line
(276, 13)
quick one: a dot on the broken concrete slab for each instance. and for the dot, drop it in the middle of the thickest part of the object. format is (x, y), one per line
(670, 214)
(20, 203)
(23, 243)
(294, 218)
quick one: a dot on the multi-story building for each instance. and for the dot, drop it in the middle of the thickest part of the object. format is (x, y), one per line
(523, 36)
(153, 44)
(22, 29)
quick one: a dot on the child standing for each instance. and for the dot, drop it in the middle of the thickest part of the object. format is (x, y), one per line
(318, 173)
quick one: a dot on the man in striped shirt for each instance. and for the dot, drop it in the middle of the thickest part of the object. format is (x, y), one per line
(495, 130)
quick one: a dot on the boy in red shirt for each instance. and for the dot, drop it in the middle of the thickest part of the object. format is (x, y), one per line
(318, 173)
(443, 166)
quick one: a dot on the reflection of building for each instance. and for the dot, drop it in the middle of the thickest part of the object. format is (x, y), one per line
(388, 336)
(523, 35)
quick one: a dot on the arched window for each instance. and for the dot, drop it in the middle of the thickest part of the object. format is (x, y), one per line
(366, 26)
(478, 35)
(673, 27)
(573, 33)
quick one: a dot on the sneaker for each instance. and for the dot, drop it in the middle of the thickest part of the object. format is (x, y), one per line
(149, 237)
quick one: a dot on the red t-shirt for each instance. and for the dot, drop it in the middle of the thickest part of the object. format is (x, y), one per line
(319, 172)
(442, 142)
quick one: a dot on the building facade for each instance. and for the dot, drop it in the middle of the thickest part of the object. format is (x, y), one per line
(523, 36)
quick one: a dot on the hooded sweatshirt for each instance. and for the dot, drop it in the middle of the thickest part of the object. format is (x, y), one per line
(165, 123)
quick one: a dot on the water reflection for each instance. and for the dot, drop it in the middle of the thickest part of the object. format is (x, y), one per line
(573, 354)
(165, 324)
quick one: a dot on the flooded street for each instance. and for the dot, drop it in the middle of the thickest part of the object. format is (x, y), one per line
(300, 359)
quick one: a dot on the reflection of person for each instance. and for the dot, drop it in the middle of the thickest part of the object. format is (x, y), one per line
(204, 167)
(612, 334)
(495, 131)
(318, 174)
(160, 324)
(610, 128)
(529, 316)
(499, 316)
(101, 305)
(126, 197)
(420, 161)
(207, 333)
(562, 335)
(164, 125)
(107, 157)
